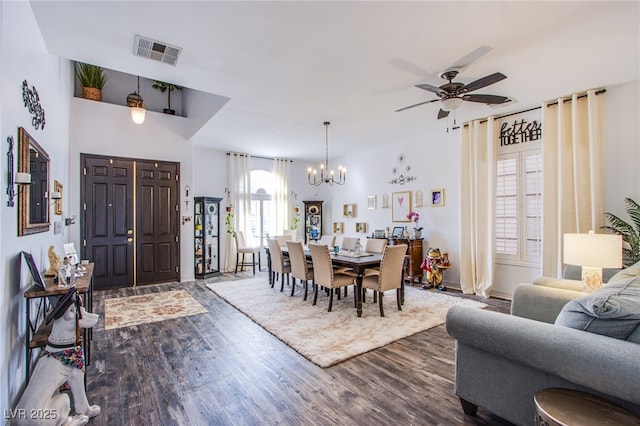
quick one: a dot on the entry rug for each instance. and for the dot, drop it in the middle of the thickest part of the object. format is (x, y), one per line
(146, 308)
(327, 338)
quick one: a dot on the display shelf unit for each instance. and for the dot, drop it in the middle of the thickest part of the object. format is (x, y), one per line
(312, 220)
(206, 238)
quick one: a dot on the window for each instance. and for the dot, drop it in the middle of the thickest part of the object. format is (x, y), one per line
(262, 217)
(519, 207)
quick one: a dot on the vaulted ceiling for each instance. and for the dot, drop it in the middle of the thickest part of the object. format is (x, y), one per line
(289, 66)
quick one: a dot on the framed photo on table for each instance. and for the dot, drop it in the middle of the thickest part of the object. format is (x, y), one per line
(398, 232)
(400, 206)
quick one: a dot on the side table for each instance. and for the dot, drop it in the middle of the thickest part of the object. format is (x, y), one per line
(568, 407)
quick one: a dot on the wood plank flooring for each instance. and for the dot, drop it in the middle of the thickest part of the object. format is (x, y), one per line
(221, 368)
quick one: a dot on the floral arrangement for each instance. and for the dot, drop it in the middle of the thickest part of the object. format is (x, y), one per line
(415, 218)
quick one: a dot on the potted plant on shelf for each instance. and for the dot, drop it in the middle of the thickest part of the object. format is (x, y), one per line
(415, 218)
(92, 79)
(166, 87)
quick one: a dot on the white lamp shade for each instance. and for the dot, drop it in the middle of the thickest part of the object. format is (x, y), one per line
(56, 195)
(23, 178)
(138, 114)
(593, 250)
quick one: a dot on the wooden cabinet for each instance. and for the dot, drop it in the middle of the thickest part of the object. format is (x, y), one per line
(413, 273)
(312, 220)
(206, 241)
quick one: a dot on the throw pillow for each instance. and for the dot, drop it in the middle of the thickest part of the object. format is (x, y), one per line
(612, 310)
(629, 272)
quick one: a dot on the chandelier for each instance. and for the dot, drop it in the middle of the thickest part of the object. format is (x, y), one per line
(326, 176)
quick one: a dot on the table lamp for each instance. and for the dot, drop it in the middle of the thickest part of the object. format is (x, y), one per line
(593, 252)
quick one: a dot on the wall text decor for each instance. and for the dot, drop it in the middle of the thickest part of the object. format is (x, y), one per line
(520, 132)
(402, 179)
(32, 102)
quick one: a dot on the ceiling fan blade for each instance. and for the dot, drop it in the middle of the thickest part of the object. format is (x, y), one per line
(438, 91)
(442, 114)
(471, 57)
(415, 105)
(486, 99)
(484, 81)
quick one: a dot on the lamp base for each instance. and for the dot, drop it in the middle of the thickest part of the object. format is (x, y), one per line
(591, 278)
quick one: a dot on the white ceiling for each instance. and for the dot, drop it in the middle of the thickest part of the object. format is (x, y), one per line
(289, 66)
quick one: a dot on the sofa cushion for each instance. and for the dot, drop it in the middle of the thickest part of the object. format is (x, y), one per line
(628, 272)
(612, 310)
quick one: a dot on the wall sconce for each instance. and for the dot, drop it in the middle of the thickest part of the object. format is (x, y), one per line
(136, 106)
(21, 179)
(69, 220)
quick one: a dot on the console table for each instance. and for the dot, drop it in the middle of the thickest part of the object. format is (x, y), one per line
(37, 331)
(413, 273)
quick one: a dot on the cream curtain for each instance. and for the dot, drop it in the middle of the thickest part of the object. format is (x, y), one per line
(281, 194)
(572, 173)
(239, 185)
(477, 206)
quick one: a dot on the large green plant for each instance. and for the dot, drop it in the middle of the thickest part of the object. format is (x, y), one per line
(630, 231)
(90, 75)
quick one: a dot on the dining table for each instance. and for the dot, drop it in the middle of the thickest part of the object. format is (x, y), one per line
(357, 262)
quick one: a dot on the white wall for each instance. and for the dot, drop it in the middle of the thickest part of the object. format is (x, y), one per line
(23, 56)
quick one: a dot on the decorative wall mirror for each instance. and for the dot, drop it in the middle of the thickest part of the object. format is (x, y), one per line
(33, 203)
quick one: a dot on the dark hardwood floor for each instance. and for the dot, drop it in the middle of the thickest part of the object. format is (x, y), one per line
(221, 368)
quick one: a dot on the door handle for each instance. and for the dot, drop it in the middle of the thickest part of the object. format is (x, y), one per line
(129, 231)
(130, 239)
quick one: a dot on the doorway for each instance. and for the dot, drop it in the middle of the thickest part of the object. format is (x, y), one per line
(130, 220)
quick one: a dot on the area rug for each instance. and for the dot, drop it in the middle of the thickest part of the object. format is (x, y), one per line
(146, 308)
(327, 338)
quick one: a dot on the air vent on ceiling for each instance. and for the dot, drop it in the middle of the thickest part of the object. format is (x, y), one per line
(156, 50)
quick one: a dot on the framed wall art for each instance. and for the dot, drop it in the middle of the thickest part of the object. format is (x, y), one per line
(419, 198)
(400, 206)
(371, 202)
(361, 227)
(349, 210)
(437, 197)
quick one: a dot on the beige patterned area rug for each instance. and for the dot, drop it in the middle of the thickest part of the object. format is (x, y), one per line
(146, 308)
(327, 338)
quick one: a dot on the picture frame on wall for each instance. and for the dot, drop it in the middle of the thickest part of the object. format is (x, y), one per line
(419, 198)
(437, 197)
(400, 206)
(371, 202)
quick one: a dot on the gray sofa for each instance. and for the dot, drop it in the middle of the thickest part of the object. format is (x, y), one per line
(503, 360)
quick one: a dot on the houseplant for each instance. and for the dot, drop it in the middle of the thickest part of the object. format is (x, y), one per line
(92, 79)
(630, 231)
(166, 87)
(415, 218)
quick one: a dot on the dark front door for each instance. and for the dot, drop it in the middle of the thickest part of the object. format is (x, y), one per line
(156, 222)
(131, 222)
(108, 220)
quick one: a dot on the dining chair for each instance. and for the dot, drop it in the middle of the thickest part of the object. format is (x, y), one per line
(349, 243)
(301, 268)
(327, 240)
(374, 245)
(243, 249)
(390, 275)
(279, 265)
(282, 239)
(324, 275)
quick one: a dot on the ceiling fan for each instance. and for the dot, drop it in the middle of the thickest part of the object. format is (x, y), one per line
(452, 94)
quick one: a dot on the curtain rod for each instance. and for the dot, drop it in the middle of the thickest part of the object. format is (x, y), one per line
(598, 92)
(262, 158)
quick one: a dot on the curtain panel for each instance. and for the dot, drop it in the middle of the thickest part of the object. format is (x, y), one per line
(477, 206)
(281, 194)
(572, 200)
(239, 184)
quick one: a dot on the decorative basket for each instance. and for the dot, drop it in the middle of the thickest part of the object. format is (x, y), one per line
(92, 93)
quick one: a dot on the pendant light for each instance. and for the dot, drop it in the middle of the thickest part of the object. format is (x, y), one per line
(329, 178)
(136, 106)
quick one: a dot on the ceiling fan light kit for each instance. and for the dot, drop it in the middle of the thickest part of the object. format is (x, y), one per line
(453, 94)
(326, 176)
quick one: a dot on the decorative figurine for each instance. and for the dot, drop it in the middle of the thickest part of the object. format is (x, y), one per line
(54, 263)
(432, 264)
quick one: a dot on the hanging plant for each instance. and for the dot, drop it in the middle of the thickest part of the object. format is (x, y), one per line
(228, 221)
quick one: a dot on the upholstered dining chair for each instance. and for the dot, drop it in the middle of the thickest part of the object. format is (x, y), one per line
(301, 268)
(374, 245)
(349, 243)
(390, 275)
(282, 239)
(243, 249)
(324, 275)
(327, 240)
(279, 265)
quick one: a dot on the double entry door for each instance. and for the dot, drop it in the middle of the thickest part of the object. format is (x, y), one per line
(130, 220)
